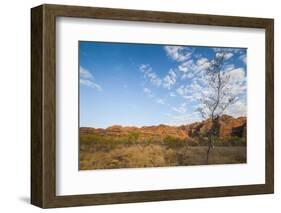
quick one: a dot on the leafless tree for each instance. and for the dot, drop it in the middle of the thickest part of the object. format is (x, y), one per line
(218, 96)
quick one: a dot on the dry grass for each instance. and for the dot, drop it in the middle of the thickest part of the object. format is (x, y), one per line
(156, 155)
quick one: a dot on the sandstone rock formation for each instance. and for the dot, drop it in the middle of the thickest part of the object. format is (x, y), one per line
(229, 127)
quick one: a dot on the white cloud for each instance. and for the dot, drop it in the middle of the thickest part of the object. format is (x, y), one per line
(191, 82)
(225, 49)
(186, 66)
(233, 88)
(191, 69)
(216, 49)
(228, 67)
(238, 109)
(226, 52)
(188, 97)
(201, 61)
(178, 53)
(228, 55)
(193, 91)
(91, 84)
(237, 76)
(167, 82)
(87, 79)
(182, 90)
(146, 69)
(84, 73)
(170, 79)
(180, 109)
(243, 58)
(200, 89)
(202, 64)
(237, 81)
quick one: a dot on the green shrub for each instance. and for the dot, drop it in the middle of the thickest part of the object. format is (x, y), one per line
(237, 141)
(173, 142)
(203, 142)
(133, 137)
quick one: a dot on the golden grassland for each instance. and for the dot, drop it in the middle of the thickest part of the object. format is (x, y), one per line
(107, 152)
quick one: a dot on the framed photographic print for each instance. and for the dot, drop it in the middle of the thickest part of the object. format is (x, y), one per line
(136, 106)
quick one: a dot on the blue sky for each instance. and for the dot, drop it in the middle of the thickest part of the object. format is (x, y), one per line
(144, 84)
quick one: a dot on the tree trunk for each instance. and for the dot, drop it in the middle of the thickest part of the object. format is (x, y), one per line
(209, 149)
(214, 131)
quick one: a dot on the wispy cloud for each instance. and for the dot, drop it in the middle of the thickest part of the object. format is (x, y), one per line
(237, 81)
(148, 92)
(87, 79)
(243, 58)
(191, 68)
(166, 82)
(228, 67)
(239, 108)
(188, 81)
(228, 50)
(180, 109)
(202, 61)
(227, 55)
(170, 79)
(146, 69)
(178, 53)
(198, 89)
(91, 84)
(84, 73)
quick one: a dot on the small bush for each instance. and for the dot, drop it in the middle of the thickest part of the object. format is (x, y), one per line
(173, 142)
(237, 141)
(133, 137)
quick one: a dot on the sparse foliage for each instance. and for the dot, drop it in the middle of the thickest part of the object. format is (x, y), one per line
(217, 98)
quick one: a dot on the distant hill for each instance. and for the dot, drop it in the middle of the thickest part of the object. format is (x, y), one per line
(229, 127)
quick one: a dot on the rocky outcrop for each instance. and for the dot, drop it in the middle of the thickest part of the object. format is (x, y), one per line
(228, 127)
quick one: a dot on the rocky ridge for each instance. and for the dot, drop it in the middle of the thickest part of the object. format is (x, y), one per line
(229, 127)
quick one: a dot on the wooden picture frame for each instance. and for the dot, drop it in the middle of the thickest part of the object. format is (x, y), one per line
(43, 105)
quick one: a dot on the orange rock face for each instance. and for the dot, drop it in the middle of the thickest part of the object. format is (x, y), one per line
(229, 126)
